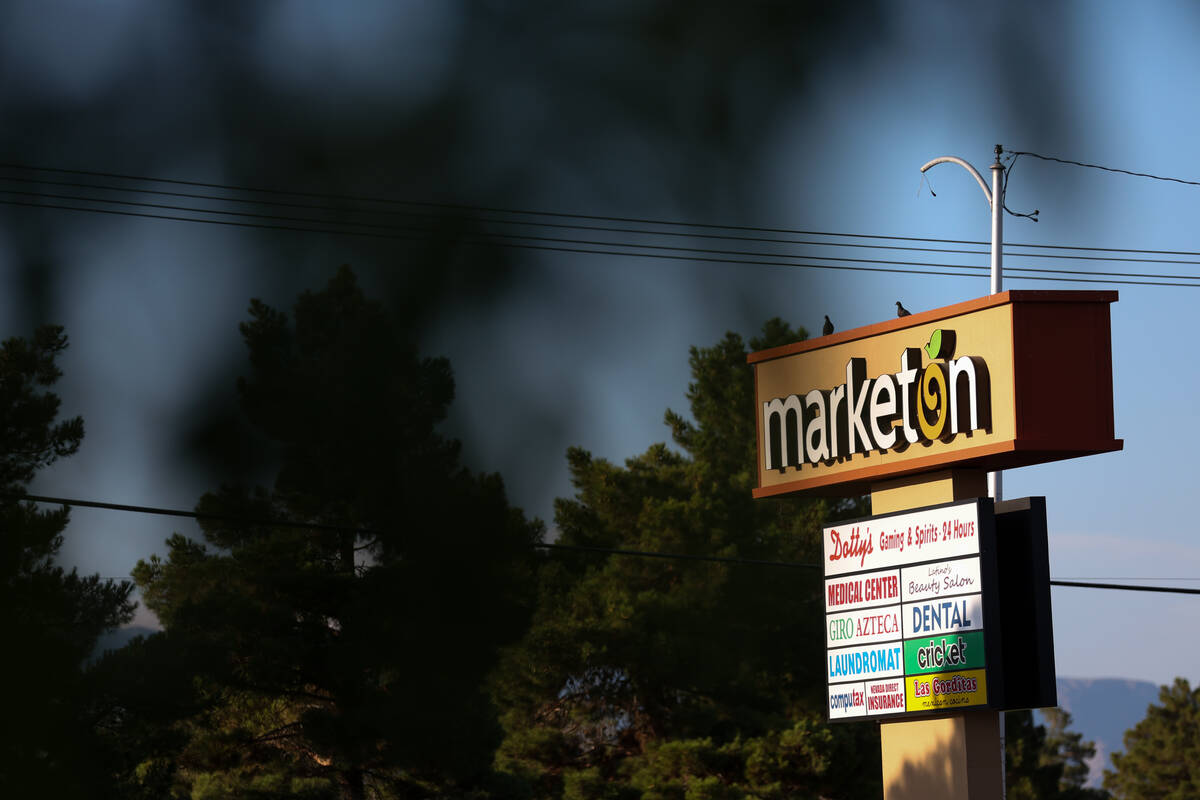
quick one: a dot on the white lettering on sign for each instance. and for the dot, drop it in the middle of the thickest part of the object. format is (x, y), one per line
(862, 591)
(941, 579)
(900, 539)
(847, 700)
(885, 697)
(864, 415)
(871, 661)
(862, 627)
(963, 613)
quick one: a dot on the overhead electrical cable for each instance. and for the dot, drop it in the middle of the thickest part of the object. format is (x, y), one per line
(521, 212)
(274, 522)
(560, 240)
(343, 210)
(482, 239)
(176, 512)
(1017, 153)
(1126, 587)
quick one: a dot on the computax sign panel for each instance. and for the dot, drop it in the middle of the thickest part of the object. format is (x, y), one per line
(1003, 381)
(910, 612)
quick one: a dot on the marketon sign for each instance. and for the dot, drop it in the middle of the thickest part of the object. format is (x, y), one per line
(1012, 379)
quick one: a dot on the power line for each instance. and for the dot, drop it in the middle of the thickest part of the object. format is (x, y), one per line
(197, 515)
(246, 219)
(554, 225)
(677, 248)
(1017, 153)
(174, 512)
(483, 240)
(528, 213)
(1126, 587)
(675, 556)
(510, 236)
(1125, 578)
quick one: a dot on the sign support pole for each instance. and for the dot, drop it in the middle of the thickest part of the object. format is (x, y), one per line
(996, 198)
(996, 478)
(951, 757)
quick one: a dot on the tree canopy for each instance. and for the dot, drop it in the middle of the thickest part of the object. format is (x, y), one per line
(378, 621)
(659, 678)
(1161, 760)
(1047, 762)
(342, 620)
(48, 747)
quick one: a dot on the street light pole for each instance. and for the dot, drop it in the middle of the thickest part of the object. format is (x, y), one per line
(996, 479)
(995, 198)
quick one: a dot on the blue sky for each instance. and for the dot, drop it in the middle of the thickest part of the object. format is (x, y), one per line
(152, 307)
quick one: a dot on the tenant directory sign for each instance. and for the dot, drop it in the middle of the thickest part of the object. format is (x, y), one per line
(907, 602)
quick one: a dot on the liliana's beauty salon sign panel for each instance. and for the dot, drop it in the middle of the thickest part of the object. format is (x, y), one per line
(909, 606)
(1007, 380)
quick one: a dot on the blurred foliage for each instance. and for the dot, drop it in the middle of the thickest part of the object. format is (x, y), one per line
(629, 108)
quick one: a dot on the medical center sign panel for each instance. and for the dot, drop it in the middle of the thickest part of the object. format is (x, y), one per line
(906, 605)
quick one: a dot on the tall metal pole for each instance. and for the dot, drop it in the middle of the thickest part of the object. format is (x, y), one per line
(995, 479)
(995, 198)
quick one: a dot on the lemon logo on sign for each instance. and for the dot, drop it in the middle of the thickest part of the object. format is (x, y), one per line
(915, 405)
(935, 387)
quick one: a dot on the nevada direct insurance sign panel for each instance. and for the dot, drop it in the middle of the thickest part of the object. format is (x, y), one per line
(905, 608)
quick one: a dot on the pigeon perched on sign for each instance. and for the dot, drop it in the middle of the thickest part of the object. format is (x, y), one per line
(827, 328)
(901, 311)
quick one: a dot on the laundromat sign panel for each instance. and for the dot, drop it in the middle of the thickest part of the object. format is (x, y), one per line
(910, 619)
(1007, 380)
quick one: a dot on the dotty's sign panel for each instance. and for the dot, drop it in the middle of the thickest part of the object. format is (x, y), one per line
(1007, 380)
(910, 612)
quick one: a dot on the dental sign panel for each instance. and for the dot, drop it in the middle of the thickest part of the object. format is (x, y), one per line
(1011, 379)
(905, 602)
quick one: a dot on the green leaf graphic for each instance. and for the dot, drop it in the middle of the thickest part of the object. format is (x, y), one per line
(935, 343)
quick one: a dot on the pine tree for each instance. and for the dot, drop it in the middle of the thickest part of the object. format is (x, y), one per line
(1069, 749)
(1161, 760)
(346, 659)
(48, 747)
(655, 678)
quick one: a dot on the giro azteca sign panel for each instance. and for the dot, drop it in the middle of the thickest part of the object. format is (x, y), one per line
(1007, 380)
(910, 612)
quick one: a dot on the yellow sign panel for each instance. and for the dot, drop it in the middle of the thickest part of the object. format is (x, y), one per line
(937, 691)
(1011, 379)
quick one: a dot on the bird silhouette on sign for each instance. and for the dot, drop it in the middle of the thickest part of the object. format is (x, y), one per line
(827, 328)
(901, 311)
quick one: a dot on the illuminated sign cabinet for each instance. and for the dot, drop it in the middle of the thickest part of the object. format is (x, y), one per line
(929, 611)
(1007, 380)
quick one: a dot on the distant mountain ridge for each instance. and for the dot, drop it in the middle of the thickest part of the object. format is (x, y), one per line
(1102, 709)
(118, 638)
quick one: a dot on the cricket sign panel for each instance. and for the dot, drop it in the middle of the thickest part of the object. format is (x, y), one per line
(1007, 380)
(911, 617)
